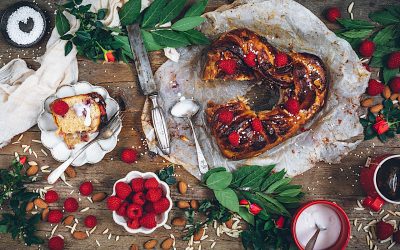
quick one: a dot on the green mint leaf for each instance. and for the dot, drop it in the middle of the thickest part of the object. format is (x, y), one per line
(149, 42)
(62, 23)
(153, 13)
(354, 33)
(219, 180)
(169, 38)
(197, 9)
(248, 217)
(228, 198)
(211, 171)
(172, 10)
(385, 35)
(196, 37)
(101, 14)
(129, 12)
(355, 24)
(68, 48)
(388, 74)
(384, 17)
(187, 23)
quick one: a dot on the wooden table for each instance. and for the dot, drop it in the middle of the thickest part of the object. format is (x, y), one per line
(338, 182)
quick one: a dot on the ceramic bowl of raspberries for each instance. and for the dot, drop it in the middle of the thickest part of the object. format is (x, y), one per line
(140, 202)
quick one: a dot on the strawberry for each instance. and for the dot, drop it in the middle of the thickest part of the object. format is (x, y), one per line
(51, 196)
(151, 183)
(244, 202)
(134, 211)
(394, 60)
(228, 66)
(375, 87)
(22, 160)
(280, 222)
(225, 116)
(281, 59)
(383, 230)
(90, 221)
(257, 125)
(123, 190)
(137, 184)
(396, 237)
(139, 198)
(113, 203)
(148, 220)
(292, 106)
(56, 243)
(234, 139)
(54, 216)
(134, 223)
(60, 107)
(129, 155)
(161, 206)
(154, 194)
(122, 209)
(86, 188)
(395, 84)
(367, 48)
(71, 205)
(250, 59)
(149, 207)
(332, 14)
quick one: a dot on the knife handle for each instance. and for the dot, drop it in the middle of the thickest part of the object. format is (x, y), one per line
(160, 126)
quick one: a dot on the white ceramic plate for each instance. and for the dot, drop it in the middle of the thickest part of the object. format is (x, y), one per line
(56, 144)
(161, 219)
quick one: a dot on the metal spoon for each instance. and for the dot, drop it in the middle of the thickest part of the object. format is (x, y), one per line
(187, 109)
(311, 243)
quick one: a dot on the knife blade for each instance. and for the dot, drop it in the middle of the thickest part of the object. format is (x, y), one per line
(148, 86)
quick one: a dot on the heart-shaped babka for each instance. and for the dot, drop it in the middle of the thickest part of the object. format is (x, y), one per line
(241, 54)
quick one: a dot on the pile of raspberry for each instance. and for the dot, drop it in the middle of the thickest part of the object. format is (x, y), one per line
(139, 202)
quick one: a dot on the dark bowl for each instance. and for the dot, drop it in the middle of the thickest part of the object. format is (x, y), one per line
(6, 16)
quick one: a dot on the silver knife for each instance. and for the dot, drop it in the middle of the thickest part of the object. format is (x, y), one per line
(148, 85)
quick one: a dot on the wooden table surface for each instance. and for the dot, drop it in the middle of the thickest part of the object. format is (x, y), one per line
(337, 182)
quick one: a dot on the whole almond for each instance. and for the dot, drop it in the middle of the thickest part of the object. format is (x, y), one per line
(376, 108)
(32, 170)
(394, 96)
(150, 244)
(386, 92)
(179, 221)
(367, 102)
(197, 236)
(134, 247)
(229, 224)
(40, 203)
(99, 197)
(70, 172)
(29, 206)
(183, 204)
(194, 204)
(79, 235)
(45, 213)
(182, 187)
(167, 244)
(68, 220)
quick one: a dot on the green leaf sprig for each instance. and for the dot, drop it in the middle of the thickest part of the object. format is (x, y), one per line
(167, 175)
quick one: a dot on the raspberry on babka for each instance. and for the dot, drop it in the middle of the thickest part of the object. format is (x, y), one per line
(78, 116)
(241, 54)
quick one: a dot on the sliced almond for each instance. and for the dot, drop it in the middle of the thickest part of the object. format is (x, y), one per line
(194, 204)
(376, 108)
(68, 220)
(367, 102)
(167, 244)
(79, 235)
(45, 214)
(99, 197)
(29, 206)
(70, 172)
(40, 203)
(32, 170)
(229, 224)
(179, 221)
(386, 92)
(197, 236)
(183, 204)
(182, 187)
(150, 244)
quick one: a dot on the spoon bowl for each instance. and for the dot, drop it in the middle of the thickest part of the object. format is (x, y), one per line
(186, 108)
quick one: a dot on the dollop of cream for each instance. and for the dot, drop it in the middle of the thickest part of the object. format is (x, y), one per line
(82, 109)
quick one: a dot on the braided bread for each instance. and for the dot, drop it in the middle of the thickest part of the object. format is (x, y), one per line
(242, 54)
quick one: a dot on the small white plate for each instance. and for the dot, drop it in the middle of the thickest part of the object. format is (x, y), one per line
(56, 144)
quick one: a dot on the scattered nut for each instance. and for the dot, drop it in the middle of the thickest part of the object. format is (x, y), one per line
(182, 187)
(376, 108)
(179, 221)
(394, 96)
(70, 172)
(40, 203)
(197, 236)
(29, 206)
(68, 220)
(229, 224)
(183, 204)
(79, 235)
(194, 204)
(386, 92)
(167, 244)
(99, 197)
(134, 247)
(45, 213)
(367, 102)
(32, 170)
(150, 244)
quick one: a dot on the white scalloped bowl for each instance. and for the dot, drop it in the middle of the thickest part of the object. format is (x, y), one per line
(56, 145)
(161, 219)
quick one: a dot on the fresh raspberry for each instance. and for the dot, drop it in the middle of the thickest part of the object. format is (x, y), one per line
(148, 221)
(161, 206)
(134, 211)
(292, 106)
(60, 107)
(129, 155)
(257, 125)
(234, 138)
(54, 216)
(139, 198)
(395, 84)
(250, 59)
(56, 243)
(332, 14)
(394, 60)
(123, 190)
(151, 183)
(134, 223)
(228, 66)
(149, 207)
(367, 48)
(281, 59)
(113, 203)
(51, 196)
(90, 221)
(137, 185)
(122, 208)
(225, 116)
(375, 87)
(154, 194)
(383, 230)
(71, 205)
(396, 237)
(86, 188)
